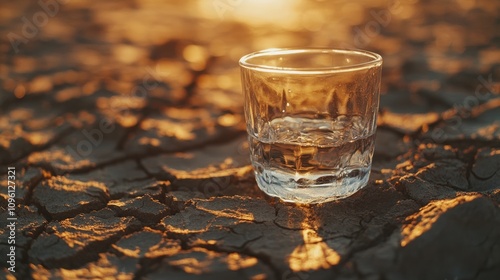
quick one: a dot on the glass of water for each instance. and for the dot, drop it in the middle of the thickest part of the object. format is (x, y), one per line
(311, 118)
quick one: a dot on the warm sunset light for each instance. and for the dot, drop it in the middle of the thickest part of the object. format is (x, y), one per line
(250, 139)
(256, 12)
(313, 255)
(422, 222)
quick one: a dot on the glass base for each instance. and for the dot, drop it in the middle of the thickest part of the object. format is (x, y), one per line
(313, 188)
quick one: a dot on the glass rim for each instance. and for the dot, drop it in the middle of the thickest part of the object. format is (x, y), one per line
(243, 62)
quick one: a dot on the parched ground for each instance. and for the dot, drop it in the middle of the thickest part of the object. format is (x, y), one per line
(124, 123)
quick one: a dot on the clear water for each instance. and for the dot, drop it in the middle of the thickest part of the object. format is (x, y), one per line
(312, 161)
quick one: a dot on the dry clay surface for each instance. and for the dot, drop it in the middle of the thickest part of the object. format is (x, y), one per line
(125, 126)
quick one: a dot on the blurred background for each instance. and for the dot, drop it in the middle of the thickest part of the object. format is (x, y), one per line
(131, 93)
(129, 57)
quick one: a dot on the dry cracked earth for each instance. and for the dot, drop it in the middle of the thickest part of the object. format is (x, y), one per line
(124, 123)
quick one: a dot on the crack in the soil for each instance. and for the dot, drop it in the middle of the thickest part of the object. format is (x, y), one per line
(246, 252)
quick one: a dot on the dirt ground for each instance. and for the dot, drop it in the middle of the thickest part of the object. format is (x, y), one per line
(123, 122)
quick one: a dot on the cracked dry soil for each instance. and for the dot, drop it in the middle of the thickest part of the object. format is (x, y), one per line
(124, 123)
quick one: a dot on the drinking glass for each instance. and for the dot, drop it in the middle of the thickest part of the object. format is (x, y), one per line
(311, 120)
